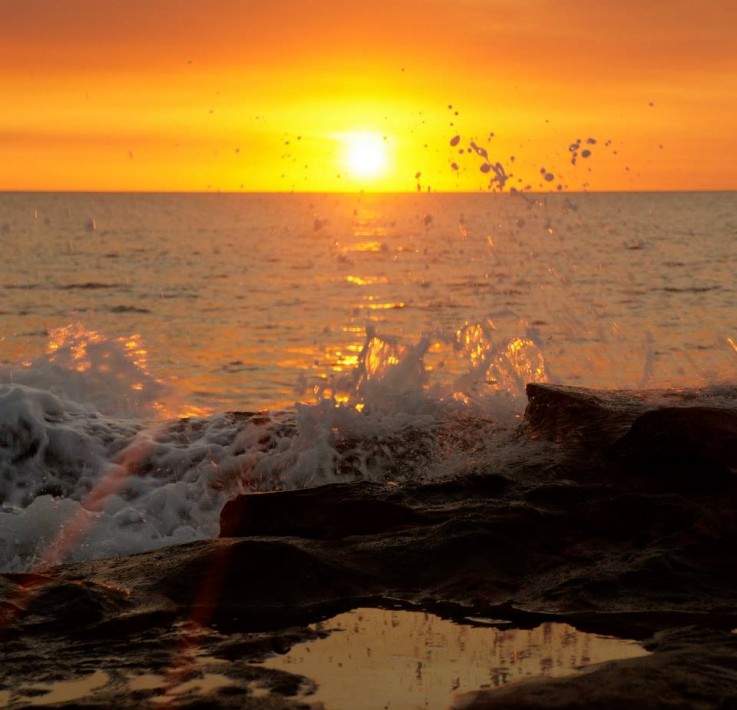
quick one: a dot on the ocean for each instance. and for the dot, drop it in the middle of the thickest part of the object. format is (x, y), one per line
(163, 353)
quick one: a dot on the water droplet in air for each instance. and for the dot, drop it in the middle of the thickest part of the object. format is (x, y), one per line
(501, 175)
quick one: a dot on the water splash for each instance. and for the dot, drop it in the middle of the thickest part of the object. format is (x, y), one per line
(82, 365)
(79, 483)
(498, 365)
(107, 375)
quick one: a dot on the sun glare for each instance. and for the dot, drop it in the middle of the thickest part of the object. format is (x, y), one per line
(365, 154)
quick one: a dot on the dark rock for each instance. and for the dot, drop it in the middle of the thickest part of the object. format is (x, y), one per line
(577, 415)
(255, 583)
(332, 512)
(697, 446)
(563, 493)
(46, 604)
(472, 486)
(689, 670)
(574, 414)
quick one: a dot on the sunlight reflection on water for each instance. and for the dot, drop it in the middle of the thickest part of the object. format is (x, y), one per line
(616, 290)
(376, 658)
(63, 691)
(369, 658)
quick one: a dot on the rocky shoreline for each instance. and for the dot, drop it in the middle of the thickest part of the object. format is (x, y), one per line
(623, 522)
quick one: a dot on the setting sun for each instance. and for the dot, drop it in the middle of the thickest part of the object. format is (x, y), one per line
(366, 98)
(366, 155)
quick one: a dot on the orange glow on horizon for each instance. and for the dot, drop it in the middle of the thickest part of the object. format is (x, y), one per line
(231, 96)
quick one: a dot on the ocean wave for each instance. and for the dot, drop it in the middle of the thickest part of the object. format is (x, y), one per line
(100, 458)
(97, 460)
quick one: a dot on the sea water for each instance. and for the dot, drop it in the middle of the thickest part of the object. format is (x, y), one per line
(366, 329)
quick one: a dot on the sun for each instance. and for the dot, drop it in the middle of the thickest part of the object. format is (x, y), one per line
(366, 155)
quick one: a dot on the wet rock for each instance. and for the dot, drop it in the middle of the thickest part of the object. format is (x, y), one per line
(254, 583)
(690, 669)
(575, 414)
(598, 418)
(695, 446)
(332, 512)
(49, 605)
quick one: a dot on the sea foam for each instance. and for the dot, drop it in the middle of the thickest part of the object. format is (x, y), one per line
(93, 464)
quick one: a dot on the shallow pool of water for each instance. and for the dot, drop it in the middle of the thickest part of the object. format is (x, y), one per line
(379, 658)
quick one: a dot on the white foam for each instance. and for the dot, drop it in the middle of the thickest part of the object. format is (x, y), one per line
(84, 367)
(83, 474)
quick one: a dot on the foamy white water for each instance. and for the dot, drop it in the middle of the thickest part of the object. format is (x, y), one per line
(393, 329)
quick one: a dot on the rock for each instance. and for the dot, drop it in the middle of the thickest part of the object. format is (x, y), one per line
(249, 583)
(576, 414)
(690, 669)
(332, 512)
(580, 416)
(696, 445)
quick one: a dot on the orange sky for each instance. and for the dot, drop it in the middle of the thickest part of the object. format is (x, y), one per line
(255, 94)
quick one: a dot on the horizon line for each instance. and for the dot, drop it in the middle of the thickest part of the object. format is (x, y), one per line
(512, 192)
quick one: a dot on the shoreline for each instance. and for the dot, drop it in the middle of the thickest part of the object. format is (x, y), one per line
(623, 525)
